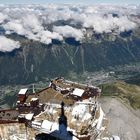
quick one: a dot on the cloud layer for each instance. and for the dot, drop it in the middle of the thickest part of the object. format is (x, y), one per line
(44, 23)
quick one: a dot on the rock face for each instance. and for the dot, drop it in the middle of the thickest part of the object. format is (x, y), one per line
(123, 121)
(34, 60)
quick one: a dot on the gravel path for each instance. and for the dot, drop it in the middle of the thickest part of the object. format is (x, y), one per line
(123, 121)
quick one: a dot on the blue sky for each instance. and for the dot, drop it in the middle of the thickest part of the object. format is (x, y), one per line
(70, 1)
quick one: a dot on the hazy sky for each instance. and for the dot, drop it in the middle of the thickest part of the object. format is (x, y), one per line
(70, 1)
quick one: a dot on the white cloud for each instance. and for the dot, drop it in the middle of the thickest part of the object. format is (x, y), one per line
(106, 24)
(14, 26)
(2, 17)
(68, 31)
(34, 21)
(47, 36)
(31, 27)
(8, 45)
(124, 24)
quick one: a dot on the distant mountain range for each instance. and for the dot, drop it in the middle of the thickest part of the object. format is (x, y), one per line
(43, 45)
(34, 60)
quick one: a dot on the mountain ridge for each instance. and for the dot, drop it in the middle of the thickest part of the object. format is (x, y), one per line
(34, 60)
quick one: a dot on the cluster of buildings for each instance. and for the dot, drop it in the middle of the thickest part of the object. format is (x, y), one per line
(64, 110)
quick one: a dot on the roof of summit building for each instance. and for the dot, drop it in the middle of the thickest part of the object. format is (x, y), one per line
(23, 91)
(78, 92)
(49, 95)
